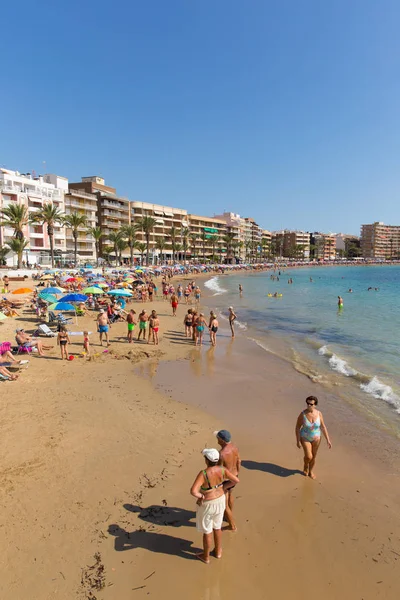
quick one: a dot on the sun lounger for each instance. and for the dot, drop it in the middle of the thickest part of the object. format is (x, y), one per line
(44, 330)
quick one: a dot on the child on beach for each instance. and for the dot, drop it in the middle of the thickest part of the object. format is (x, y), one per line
(86, 343)
(63, 341)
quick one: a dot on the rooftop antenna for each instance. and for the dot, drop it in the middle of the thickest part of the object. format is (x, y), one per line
(44, 167)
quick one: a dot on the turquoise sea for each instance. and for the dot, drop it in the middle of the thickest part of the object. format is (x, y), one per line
(356, 349)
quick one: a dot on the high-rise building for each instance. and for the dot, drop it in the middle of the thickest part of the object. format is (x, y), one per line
(34, 192)
(291, 244)
(380, 241)
(113, 211)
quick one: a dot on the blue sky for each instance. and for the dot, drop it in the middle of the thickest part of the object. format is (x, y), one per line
(284, 110)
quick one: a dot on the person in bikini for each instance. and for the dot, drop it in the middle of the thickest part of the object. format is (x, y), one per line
(194, 325)
(63, 341)
(154, 325)
(309, 424)
(208, 489)
(229, 454)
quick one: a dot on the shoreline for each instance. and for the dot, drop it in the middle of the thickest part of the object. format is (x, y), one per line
(320, 363)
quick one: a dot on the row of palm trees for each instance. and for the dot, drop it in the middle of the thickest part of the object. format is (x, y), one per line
(181, 240)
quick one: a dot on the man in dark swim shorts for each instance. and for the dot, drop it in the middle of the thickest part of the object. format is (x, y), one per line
(231, 460)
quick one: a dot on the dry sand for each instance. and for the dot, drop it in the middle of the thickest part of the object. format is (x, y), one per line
(98, 458)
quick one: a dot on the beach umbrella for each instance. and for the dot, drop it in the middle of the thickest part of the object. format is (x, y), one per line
(93, 290)
(45, 277)
(119, 293)
(61, 306)
(73, 298)
(70, 279)
(51, 290)
(50, 298)
(2, 316)
(138, 282)
(22, 291)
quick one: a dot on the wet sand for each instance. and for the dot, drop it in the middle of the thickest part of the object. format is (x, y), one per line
(98, 458)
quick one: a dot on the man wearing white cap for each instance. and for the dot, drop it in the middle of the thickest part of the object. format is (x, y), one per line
(209, 491)
(229, 455)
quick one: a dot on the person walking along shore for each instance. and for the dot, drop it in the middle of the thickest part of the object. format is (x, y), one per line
(309, 424)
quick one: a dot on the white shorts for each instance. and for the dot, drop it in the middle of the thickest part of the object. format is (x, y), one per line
(210, 515)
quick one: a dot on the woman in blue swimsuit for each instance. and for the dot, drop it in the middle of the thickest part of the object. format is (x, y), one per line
(309, 425)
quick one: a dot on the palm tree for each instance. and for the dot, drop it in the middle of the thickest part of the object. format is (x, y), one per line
(178, 248)
(173, 234)
(15, 216)
(185, 232)
(214, 239)
(18, 246)
(96, 234)
(74, 221)
(204, 238)
(129, 232)
(4, 250)
(220, 246)
(228, 239)
(147, 225)
(115, 238)
(48, 215)
(193, 240)
(122, 244)
(107, 251)
(141, 247)
(160, 245)
(235, 246)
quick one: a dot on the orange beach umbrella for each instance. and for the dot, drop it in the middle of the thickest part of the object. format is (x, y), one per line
(22, 291)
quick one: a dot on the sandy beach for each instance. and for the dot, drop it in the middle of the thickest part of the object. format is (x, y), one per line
(98, 458)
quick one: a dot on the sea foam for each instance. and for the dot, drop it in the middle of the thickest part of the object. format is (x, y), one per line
(381, 391)
(369, 385)
(214, 286)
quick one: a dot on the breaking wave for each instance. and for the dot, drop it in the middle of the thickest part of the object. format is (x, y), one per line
(369, 385)
(214, 286)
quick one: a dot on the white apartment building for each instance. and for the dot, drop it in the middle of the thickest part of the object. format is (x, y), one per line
(33, 192)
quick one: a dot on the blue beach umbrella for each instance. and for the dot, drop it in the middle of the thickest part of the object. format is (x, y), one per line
(73, 298)
(120, 293)
(51, 290)
(62, 306)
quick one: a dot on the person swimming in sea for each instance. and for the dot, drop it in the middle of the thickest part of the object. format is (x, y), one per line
(340, 302)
